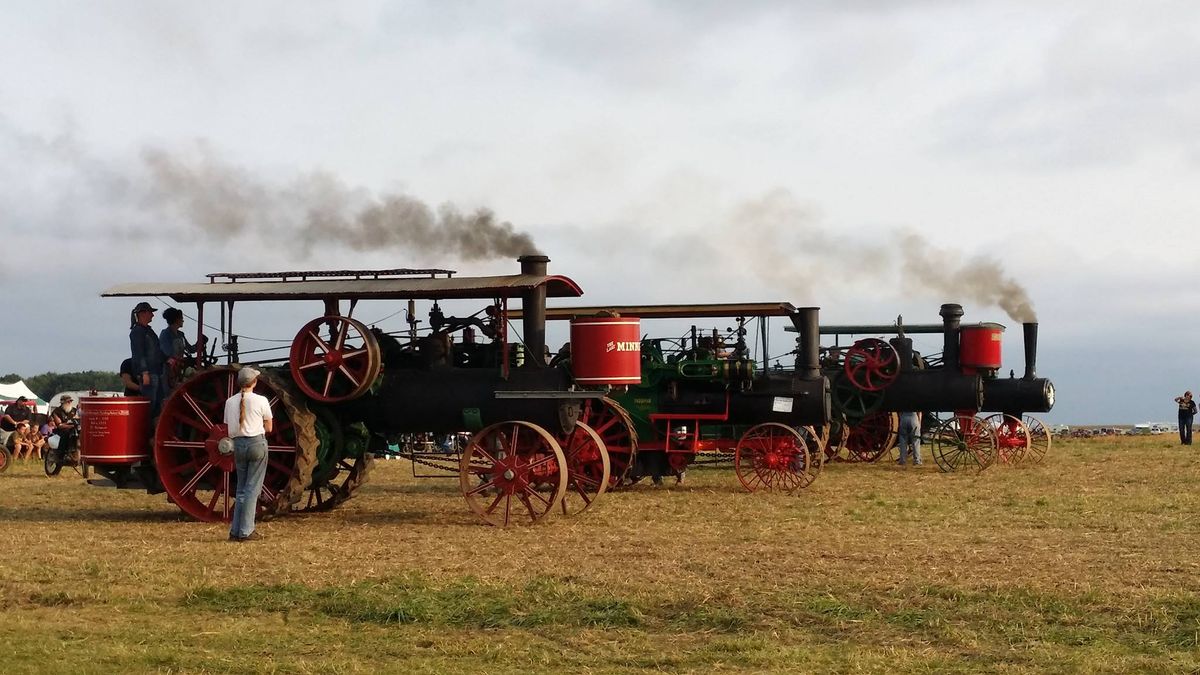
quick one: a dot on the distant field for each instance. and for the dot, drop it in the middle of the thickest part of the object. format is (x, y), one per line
(1087, 563)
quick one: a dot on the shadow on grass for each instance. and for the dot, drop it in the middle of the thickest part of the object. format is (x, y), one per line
(61, 514)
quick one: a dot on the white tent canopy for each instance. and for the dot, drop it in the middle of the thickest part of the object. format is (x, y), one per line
(9, 393)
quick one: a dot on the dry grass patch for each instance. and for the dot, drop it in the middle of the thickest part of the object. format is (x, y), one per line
(1088, 562)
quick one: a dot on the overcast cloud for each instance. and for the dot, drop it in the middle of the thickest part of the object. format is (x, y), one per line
(872, 158)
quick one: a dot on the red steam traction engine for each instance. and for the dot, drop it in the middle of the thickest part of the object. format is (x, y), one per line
(874, 379)
(345, 391)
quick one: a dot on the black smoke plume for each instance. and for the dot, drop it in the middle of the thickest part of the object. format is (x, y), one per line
(206, 197)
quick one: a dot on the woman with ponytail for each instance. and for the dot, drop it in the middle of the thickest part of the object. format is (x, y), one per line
(248, 417)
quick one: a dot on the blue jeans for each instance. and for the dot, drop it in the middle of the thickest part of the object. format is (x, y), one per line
(909, 440)
(156, 392)
(250, 460)
(1185, 428)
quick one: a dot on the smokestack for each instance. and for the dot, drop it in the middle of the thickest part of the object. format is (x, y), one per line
(951, 318)
(1031, 330)
(903, 347)
(533, 310)
(808, 365)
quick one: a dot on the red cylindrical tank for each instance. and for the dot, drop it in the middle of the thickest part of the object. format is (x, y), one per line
(979, 346)
(606, 350)
(114, 430)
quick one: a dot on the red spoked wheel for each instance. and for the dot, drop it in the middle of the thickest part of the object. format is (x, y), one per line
(616, 430)
(772, 456)
(340, 368)
(202, 481)
(513, 473)
(873, 436)
(1012, 438)
(963, 442)
(588, 468)
(1039, 439)
(872, 364)
(5, 459)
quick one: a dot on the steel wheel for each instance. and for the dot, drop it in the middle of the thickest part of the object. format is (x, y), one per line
(5, 459)
(1039, 440)
(343, 464)
(588, 468)
(1012, 438)
(963, 442)
(513, 473)
(871, 437)
(816, 442)
(202, 481)
(852, 401)
(872, 364)
(772, 456)
(341, 368)
(607, 418)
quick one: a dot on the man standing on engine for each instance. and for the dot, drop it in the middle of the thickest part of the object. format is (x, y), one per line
(147, 356)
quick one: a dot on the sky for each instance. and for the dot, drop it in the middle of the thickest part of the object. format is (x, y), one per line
(875, 159)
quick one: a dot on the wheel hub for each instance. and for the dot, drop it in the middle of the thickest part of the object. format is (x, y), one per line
(215, 434)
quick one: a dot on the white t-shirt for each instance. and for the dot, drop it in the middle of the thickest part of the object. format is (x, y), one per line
(257, 410)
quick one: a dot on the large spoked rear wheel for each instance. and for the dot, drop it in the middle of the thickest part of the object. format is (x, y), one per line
(202, 481)
(873, 436)
(963, 442)
(772, 456)
(615, 427)
(5, 459)
(588, 468)
(513, 473)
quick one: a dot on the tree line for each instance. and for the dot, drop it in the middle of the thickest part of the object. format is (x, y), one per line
(47, 385)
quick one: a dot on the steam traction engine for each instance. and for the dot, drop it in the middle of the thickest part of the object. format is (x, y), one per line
(703, 395)
(874, 379)
(344, 391)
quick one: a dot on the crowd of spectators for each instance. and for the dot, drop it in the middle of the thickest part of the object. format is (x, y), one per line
(26, 433)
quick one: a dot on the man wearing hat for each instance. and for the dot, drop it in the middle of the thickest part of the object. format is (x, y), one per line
(147, 356)
(248, 418)
(64, 420)
(14, 414)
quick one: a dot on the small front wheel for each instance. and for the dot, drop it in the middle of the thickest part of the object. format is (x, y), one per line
(52, 461)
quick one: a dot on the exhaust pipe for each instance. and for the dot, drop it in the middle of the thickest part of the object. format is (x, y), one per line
(1031, 334)
(533, 310)
(808, 365)
(951, 319)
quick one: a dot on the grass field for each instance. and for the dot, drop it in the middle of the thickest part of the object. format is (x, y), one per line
(1087, 563)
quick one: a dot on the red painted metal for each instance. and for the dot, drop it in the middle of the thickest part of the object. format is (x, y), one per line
(114, 430)
(979, 346)
(606, 350)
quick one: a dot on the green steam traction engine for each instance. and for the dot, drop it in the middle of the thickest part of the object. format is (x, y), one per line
(703, 397)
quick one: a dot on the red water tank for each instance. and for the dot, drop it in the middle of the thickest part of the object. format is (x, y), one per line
(114, 430)
(606, 350)
(979, 346)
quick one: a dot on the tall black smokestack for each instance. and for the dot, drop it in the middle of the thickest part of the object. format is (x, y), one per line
(951, 318)
(1031, 330)
(533, 310)
(808, 358)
